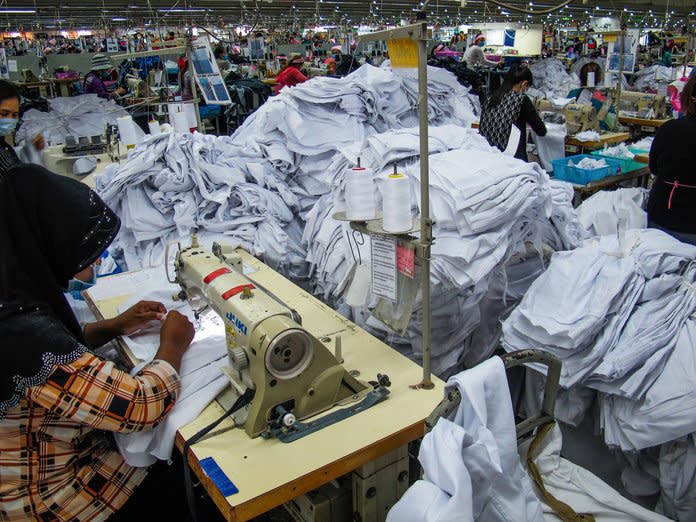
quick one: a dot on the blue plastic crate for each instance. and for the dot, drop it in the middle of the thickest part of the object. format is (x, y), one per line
(627, 164)
(565, 169)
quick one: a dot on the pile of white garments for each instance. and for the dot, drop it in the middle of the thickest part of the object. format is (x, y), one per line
(588, 163)
(257, 187)
(85, 115)
(618, 151)
(552, 80)
(616, 325)
(652, 78)
(605, 211)
(484, 218)
(644, 143)
(471, 469)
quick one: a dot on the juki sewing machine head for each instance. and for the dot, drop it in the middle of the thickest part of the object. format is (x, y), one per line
(295, 376)
(577, 117)
(643, 105)
(137, 86)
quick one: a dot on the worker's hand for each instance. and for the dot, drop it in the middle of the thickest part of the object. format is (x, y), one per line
(138, 316)
(501, 64)
(177, 332)
(39, 143)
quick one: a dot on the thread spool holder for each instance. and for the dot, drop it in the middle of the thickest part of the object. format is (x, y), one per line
(419, 34)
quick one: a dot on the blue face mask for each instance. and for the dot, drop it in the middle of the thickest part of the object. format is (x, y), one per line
(7, 125)
(482, 44)
(75, 286)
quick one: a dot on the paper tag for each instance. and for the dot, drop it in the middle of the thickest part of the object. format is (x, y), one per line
(405, 260)
(384, 266)
(12, 65)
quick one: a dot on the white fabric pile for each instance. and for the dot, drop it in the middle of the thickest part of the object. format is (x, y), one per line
(605, 211)
(588, 135)
(552, 146)
(484, 218)
(644, 143)
(616, 326)
(652, 78)
(258, 186)
(85, 115)
(471, 467)
(588, 163)
(552, 80)
(618, 151)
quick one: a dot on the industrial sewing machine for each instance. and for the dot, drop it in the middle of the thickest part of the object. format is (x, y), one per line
(643, 105)
(578, 117)
(294, 375)
(137, 86)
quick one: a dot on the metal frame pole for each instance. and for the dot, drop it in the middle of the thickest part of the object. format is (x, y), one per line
(426, 223)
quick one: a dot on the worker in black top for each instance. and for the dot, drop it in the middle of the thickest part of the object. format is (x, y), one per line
(672, 201)
(510, 106)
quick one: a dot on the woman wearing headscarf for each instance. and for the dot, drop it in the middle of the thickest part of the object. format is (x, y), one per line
(510, 106)
(290, 75)
(58, 400)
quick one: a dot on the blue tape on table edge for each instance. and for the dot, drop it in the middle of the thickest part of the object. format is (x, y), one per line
(218, 477)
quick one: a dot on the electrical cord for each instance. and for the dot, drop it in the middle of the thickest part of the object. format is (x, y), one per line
(241, 401)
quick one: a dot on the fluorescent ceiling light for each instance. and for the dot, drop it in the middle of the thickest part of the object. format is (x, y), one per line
(118, 19)
(18, 11)
(181, 10)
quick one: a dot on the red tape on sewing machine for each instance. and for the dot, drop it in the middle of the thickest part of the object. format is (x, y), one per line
(215, 274)
(236, 290)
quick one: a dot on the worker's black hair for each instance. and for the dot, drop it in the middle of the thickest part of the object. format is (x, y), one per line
(516, 74)
(8, 90)
(688, 98)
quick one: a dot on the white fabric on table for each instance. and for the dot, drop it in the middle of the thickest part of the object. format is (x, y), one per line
(600, 213)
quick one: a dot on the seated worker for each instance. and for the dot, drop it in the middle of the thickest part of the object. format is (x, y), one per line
(473, 56)
(672, 197)
(510, 106)
(290, 75)
(59, 402)
(222, 59)
(9, 115)
(94, 81)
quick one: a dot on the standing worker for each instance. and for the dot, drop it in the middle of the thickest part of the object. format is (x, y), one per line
(473, 56)
(672, 160)
(510, 106)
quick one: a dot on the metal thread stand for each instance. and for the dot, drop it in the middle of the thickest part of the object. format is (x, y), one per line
(419, 33)
(183, 47)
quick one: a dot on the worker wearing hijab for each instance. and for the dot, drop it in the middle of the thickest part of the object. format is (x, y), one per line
(290, 75)
(58, 400)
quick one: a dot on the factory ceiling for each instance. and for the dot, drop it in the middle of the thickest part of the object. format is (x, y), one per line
(33, 15)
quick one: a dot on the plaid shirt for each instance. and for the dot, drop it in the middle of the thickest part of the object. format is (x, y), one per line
(56, 460)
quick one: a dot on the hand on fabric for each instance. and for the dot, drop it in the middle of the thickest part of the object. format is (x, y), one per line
(175, 337)
(138, 316)
(39, 143)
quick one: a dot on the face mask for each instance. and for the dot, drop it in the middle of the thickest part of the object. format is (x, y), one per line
(7, 125)
(482, 44)
(75, 285)
(334, 56)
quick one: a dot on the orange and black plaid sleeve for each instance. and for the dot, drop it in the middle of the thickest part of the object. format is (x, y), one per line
(93, 391)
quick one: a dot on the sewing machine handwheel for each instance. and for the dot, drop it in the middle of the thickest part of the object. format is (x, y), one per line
(289, 354)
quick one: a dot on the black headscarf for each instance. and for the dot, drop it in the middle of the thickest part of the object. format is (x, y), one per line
(51, 227)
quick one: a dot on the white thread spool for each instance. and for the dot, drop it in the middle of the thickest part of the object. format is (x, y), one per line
(180, 122)
(360, 194)
(396, 198)
(126, 130)
(154, 127)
